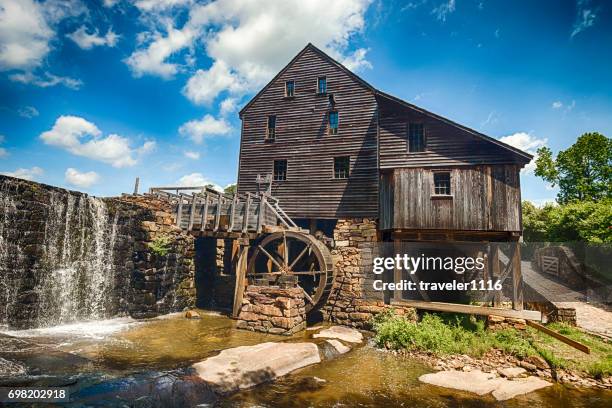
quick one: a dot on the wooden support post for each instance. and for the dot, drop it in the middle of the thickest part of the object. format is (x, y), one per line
(494, 271)
(262, 206)
(218, 212)
(241, 269)
(192, 211)
(247, 208)
(233, 212)
(397, 273)
(517, 279)
(204, 213)
(179, 211)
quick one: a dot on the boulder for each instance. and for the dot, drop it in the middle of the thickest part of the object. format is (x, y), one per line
(519, 386)
(339, 347)
(511, 372)
(341, 333)
(246, 366)
(192, 314)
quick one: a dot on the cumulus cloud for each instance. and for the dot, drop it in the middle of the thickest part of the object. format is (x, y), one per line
(83, 138)
(197, 180)
(208, 126)
(192, 155)
(81, 179)
(585, 17)
(27, 28)
(28, 112)
(87, 41)
(46, 80)
(228, 106)
(248, 42)
(158, 5)
(443, 10)
(527, 143)
(26, 174)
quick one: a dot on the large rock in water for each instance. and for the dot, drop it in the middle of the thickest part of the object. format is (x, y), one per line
(341, 333)
(483, 383)
(246, 366)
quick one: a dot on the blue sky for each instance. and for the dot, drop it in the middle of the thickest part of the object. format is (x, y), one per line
(94, 93)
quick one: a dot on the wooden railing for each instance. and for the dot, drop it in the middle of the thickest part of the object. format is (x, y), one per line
(205, 209)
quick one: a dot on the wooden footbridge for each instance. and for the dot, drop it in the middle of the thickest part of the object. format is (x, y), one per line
(272, 248)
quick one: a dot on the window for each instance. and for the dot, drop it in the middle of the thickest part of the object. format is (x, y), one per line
(271, 129)
(341, 167)
(442, 185)
(321, 85)
(416, 137)
(289, 89)
(280, 170)
(333, 123)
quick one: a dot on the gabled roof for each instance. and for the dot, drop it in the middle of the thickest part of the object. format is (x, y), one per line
(524, 156)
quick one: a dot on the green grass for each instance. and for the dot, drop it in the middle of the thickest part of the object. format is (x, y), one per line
(443, 334)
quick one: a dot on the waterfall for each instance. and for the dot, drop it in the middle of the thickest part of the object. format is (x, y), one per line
(57, 262)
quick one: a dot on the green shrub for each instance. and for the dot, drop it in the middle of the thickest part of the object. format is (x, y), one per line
(161, 245)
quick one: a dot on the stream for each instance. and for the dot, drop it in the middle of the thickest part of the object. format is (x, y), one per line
(125, 362)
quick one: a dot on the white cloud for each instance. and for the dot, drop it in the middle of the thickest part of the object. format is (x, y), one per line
(27, 112)
(192, 155)
(68, 133)
(84, 180)
(87, 41)
(443, 10)
(24, 34)
(568, 108)
(208, 126)
(527, 143)
(26, 174)
(46, 81)
(110, 3)
(3, 152)
(248, 42)
(585, 17)
(557, 105)
(227, 106)
(197, 180)
(492, 118)
(158, 5)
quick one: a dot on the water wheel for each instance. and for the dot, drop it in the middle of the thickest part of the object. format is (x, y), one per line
(288, 254)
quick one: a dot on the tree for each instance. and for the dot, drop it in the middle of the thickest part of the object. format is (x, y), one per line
(582, 172)
(230, 189)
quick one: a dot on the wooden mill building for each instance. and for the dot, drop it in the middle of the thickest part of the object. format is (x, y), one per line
(340, 152)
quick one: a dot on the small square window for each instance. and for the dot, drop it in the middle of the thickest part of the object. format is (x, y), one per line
(280, 170)
(442, 184)
(416, 137)
(271, 128)
(321, 85)
(341, 167)
(333, 123)
(289, 89)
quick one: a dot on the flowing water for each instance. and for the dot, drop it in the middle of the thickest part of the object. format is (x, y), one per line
(56, 257)
(117, 361)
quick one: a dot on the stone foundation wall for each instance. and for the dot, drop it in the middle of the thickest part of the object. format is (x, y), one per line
(163, 279)
(352, 302)
(500, 323)
(274, 310)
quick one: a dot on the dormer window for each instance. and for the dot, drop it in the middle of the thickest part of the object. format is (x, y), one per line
(289, 89)
(416, 138)
(321, 85)
(271, 129)
(333, 123)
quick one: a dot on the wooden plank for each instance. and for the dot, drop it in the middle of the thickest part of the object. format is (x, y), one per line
(204, 220)
(247, 208)
(470, 309)
(560, 337)
(179, 211)
(262, 201)
(218, 212)
(495, 273)
(233, 212)
(192, 212)
(517, 279)
(241, 269)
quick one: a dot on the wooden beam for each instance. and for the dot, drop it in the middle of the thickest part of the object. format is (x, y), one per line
(495, 271)
(204, 213)
(470, 309)
(179, 211)
(241, 269)
(233, 212)
(218, 212)
(247, 208)
(517, 279)
(560, 337)
(192, 212)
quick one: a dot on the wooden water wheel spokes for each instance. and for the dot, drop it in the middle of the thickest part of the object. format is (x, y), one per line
(298, 254)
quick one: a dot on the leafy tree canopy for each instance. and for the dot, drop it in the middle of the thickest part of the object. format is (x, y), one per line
(230, 189)
(582, 172)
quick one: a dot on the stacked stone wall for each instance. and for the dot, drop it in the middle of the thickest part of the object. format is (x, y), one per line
(274, 310)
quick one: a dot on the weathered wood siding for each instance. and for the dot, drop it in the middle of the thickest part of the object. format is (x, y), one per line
(446, 145)
(301, 138)
(483, 198)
